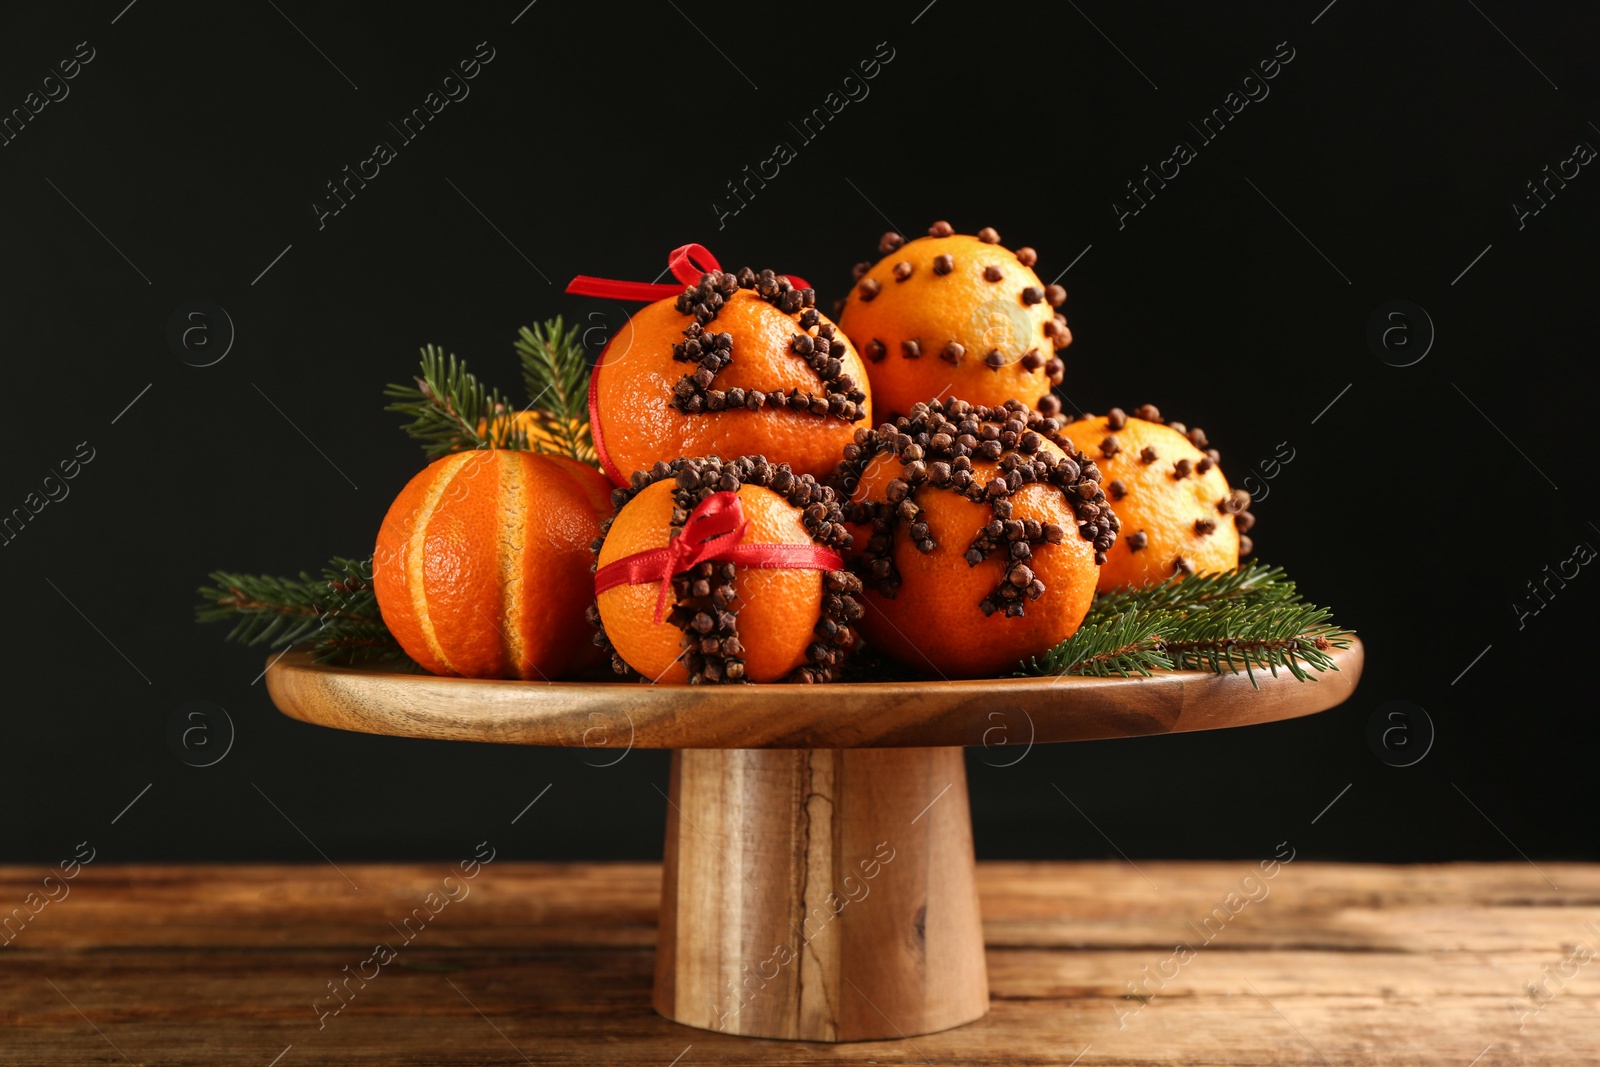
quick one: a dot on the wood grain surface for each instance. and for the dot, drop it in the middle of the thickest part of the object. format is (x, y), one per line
(1339, 965)
(857, 715)
(825, 894)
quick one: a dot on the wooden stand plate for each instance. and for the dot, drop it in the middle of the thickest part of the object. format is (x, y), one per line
(818, 880)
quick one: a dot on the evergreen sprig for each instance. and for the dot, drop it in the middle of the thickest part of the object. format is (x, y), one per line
(1251, 618)
(1126, 645)
(1254, 580)
(451, 410)
(555, 372)
(335, 613)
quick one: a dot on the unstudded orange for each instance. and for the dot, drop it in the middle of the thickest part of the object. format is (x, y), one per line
(926, 334)
(637, 374)
(778, 608)
(482, 564)
(1172, 500)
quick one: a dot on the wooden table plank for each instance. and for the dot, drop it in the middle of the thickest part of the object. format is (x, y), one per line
(1334, 964)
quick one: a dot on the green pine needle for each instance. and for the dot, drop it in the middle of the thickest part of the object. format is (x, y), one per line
(1178, 593)
(451, 410)
(1250, 619)
(555, 372)
(335, 613)
(1124, 646)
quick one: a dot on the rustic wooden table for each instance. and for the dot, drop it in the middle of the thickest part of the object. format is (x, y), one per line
(1320, 964)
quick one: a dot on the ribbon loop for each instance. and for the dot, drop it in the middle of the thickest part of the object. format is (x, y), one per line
(686, 262)
(712, 534)
(683, 266)
(719, 516)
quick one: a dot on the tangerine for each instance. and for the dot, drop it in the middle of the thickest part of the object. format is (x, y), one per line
(954, 315)
(976, 534)
(1166, 486)
(736, 365)
(482, 564)
(728, 622)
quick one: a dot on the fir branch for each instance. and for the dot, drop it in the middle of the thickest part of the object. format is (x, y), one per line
(555, 372)
(335, 614)
(1124, 645)
(1249, 619)
(451, 410)
(1255, 636)
(1253, 579)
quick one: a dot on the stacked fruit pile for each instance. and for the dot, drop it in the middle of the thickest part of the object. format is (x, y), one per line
(779, 489)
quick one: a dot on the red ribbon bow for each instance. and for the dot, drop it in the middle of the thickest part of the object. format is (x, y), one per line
(687, 263)
(712, 534)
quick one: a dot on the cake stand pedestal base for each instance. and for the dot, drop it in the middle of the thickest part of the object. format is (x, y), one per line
(820, 894)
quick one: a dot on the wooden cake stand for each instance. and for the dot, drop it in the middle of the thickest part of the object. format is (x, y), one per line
(818, 880)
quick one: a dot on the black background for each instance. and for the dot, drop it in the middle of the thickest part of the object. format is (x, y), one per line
(191, 149)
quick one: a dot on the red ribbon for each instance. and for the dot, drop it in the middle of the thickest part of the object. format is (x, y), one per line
(687, 263)
(712, 534)
(616, 476)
